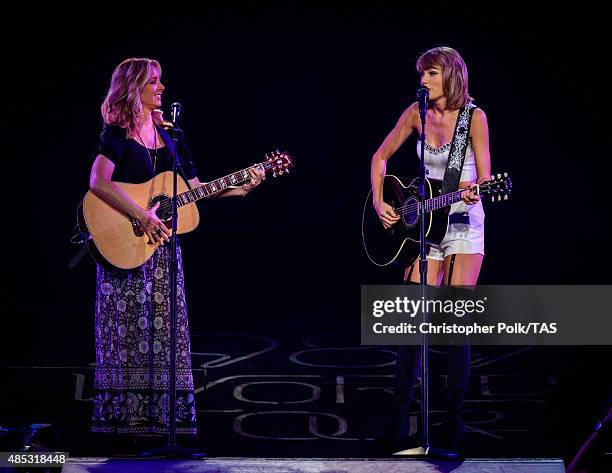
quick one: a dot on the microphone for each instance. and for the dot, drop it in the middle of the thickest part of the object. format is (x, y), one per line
(176, 111)
(422, 97)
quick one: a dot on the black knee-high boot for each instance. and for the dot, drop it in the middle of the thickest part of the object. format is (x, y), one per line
(457, 378)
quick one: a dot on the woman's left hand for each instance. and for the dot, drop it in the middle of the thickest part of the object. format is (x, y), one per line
(257, 175)
(469, 196)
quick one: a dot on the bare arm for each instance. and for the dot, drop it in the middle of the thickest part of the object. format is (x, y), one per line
(400, 133)
(101, 184)
(479, 132)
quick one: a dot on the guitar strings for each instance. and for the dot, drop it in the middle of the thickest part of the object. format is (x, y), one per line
(412, 207)
(168, 205)
(168, 202)
(267, 165)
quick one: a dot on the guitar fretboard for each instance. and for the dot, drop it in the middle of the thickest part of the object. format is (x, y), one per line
(217, 185)
(445, 200)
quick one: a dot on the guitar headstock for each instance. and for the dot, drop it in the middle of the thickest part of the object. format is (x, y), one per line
(278, 163)
(499, 187)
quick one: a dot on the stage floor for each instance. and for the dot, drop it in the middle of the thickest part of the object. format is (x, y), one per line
(314, 465)
(301, 385)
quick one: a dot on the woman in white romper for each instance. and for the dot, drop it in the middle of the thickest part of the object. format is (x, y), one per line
(460, 254)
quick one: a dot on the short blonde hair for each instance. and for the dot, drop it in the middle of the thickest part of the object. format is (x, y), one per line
(122, 105)
(454, 74)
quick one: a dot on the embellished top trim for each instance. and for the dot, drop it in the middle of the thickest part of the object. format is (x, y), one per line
(440, 150)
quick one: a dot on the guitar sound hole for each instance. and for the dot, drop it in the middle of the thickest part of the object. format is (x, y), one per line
(164, 212)
(411, 214)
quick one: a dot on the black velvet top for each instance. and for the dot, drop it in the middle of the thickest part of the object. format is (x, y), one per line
(131, 160)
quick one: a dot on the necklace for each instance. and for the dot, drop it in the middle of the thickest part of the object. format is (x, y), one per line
(153, 161)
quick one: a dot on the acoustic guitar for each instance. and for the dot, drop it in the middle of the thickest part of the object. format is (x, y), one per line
(118, 239)
(400, 243)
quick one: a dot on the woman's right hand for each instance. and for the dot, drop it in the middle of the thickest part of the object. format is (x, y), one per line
(386, 214)
(153, 227)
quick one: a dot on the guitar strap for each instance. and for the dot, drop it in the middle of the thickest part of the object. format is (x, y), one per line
(82, 238)
(170, 144)
(454, 165)
(458, 148)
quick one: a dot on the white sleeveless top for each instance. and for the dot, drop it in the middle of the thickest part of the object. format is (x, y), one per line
(436, 159)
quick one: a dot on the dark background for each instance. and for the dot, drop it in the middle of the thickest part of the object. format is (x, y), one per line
(326, 84)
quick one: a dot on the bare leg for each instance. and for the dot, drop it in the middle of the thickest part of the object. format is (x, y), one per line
(466, 270)
(435, 272)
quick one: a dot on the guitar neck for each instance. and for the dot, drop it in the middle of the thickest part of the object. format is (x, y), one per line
(445, 200)
(498, 187)
(206, 190)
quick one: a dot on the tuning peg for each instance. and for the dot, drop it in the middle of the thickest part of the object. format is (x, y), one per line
(492, 198)
(505, 174)
(499, 176)
(492, 177)
(499, 198)
(274, 174)
(287, 171)
(505, 196)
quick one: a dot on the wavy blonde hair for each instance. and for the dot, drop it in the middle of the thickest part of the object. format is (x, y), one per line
(454, 74)
(122, 105)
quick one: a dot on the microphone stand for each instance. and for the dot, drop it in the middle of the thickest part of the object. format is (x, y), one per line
(423, 277)
(425, 450)
(172, 450)
(173, 280)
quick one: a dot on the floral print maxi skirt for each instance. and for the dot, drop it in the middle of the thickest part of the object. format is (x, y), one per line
(132, 331)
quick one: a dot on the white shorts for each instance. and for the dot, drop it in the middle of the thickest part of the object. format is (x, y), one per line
(465, 234)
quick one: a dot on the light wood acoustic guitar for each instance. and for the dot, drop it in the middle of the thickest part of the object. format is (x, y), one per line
(117, 238)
